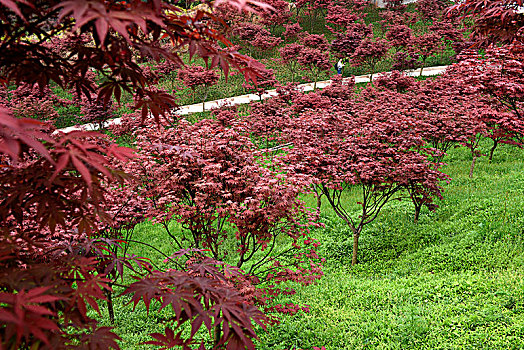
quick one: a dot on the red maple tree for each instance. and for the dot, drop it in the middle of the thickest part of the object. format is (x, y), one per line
(56, 205)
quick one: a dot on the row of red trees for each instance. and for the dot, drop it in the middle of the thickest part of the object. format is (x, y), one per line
(413, 36)
(388, 141)
(354, 41)
(69, 202)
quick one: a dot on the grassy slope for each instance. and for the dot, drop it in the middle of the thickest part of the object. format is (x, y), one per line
(452, 281)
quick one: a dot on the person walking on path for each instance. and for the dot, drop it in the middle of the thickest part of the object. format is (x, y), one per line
(339, 66)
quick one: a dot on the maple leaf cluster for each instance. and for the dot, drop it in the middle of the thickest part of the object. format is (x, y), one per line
(346, 43)
(395, 80)
(278, 15)
(118, 32)
(256, 36)
(497, 77)
(51, 198)
(369, 53)
(291, 31)
(29, 101)
(497, 21)
(65, 205)
(196, 76)
(330, 130)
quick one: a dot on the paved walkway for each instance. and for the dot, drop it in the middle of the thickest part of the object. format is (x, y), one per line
(245, 99)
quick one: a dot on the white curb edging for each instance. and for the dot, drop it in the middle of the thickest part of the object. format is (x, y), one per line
(245, 99)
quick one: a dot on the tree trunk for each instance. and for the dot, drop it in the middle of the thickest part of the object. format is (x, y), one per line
(354, 259)
(472, 166)
(421, 69)
(206, 91)
(417, 212)
(319, 202)
(110, 308)
(495, 144)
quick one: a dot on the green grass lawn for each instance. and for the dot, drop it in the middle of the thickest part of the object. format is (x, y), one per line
(454, 280)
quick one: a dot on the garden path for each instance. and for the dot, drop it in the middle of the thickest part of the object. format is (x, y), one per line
(244, 99)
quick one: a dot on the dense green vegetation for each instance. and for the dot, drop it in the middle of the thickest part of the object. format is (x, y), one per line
(454, 280)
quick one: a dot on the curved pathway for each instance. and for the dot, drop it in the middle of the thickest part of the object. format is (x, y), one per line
(244, 99)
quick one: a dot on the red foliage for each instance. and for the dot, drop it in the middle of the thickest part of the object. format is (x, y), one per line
(51, 192)
(93, 109)
(339, 91)
(369, 53)
(395, 80)
(200, 296)
(264, 42)
(310, 102)
(312, 9)
(279, 15)
(289, 56)
(226, 115)
(449, 110)
(196, 76)
(268, 119)
(393, 18)
(265, 82)
(430, 9)
(210, 179)
(377, 147)
(405, 60)
(426, 46)
(247, 32)
(497, 75)
(31, 101)
(315, 61)
(117, 32)
(315, 41)
(399, 35)
(254, 35)
(345, 44)
(448, 30)
(57, 190)
(495, 21)
(167, 69)
(291, 31)
(340, 18)
(230, 15)
(290, 52)
(396, 5)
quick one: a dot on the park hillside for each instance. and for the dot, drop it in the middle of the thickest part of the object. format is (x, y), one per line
(384, 212)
